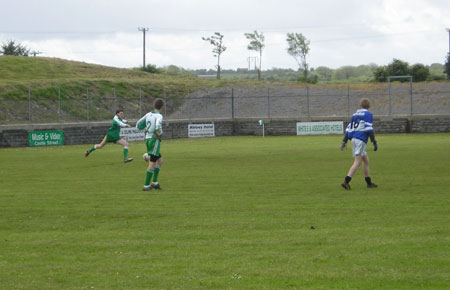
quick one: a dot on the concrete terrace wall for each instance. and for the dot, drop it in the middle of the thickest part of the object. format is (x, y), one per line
(91, 133)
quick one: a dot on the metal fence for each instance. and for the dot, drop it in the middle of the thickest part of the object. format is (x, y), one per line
(398, 100)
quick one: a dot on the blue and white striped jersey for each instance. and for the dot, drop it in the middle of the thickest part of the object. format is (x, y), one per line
(360, 126)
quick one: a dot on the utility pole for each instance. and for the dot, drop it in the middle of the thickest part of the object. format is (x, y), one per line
(250, 59)
(144, 30)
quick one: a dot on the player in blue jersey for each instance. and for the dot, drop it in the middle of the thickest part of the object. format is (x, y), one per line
(359, 130)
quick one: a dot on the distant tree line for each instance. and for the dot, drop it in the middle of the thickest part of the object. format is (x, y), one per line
(298, 47)
(419, 72)
(321, 74)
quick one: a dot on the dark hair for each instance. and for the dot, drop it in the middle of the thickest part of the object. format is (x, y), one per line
(118, 111)
(158, 103)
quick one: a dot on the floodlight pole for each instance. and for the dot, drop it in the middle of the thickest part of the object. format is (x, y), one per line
(448, 30)
(144, 30)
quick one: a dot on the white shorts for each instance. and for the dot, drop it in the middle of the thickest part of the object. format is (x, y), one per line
(358, 147)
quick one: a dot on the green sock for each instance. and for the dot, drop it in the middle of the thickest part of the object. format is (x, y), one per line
(155, 175)
(125, 152)
(148, 177)
(92, 149)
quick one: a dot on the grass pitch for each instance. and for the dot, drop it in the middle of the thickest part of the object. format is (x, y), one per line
(235, 213)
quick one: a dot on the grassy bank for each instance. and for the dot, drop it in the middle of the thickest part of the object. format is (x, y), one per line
(44, 76)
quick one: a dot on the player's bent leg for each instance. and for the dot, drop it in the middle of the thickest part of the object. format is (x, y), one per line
(124, 143)
(101, 145)
(148, 176)
(365, 161)
(156, 171)
(370, 184)
(355, 165)
(126, 159)
(351, 172)
(93, 148)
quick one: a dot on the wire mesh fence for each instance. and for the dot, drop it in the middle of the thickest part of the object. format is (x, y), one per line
(432, 99)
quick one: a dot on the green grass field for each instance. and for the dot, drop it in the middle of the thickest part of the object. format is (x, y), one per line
(235, 213)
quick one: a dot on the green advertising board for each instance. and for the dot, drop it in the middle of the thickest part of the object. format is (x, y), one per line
(45, 138)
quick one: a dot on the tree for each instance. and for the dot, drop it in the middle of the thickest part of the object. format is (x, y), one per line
(381, 74)
(365, 70)
(354, 73)
(151, 68)
(437, 69)
(447, 66)
(298, 47)
(325, 73)
(345, 73)
(218, 48)
(257, 44)
(11, 48)
(173, 70)
(420, 72)
(395, 68)
(398, 68)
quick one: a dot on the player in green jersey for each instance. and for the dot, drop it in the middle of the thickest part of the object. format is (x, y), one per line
(151, 123)
(113, 136)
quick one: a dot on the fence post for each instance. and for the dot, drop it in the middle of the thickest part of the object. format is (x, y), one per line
(307, 101)
(232, 103)
(410, 95)
(59, 105)
(165, 102)
(29, 105)
(140, 102)
(208, 101)
(268, 102)
(87, 104)
(390, 97)
(348, 101)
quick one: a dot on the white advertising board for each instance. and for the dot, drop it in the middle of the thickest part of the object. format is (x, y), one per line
(132, 134)
(201, 130)
(320, 128)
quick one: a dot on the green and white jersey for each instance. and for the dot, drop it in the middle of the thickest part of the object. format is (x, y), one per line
(151, 123)
(114, 131)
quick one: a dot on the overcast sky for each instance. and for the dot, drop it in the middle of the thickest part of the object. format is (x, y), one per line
(341, 32)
